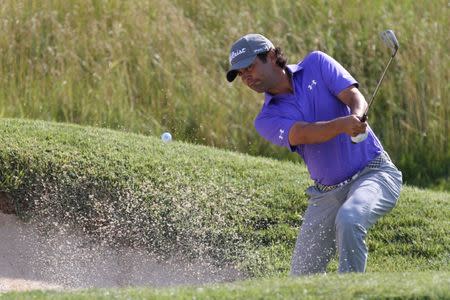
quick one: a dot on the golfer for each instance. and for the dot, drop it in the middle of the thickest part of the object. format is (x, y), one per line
(314, 108)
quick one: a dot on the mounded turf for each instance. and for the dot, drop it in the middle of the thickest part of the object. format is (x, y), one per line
(204, 203)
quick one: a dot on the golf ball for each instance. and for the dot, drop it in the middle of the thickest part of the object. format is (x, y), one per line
(166, 137)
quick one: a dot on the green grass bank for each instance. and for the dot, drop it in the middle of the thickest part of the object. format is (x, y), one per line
(422, 285)
(192, 201)
(149, 66)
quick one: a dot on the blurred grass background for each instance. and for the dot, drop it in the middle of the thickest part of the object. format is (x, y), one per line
(148, 66)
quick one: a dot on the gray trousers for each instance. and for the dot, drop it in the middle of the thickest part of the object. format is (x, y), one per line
(339, 219)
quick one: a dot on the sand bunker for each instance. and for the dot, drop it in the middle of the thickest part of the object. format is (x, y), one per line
(30, 259)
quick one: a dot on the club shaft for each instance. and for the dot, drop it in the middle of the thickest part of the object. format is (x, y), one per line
(379, 83)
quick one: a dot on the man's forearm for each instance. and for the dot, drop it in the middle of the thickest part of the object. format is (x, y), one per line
(358, 108)
(353, 98)
(319, 132)
(314, 133)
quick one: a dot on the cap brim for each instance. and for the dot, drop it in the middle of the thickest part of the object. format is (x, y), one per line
(232, 73)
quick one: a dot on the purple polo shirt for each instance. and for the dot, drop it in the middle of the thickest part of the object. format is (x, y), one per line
(316, 81)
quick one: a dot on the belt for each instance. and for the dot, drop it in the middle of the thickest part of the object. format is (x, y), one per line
(373, 164)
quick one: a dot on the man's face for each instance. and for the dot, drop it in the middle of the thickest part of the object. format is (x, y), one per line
(259, 75)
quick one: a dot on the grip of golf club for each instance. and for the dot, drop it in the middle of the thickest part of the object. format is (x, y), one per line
(362, 136)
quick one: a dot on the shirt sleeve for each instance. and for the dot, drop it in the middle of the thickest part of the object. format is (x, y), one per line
(274, 129)
(336, 77)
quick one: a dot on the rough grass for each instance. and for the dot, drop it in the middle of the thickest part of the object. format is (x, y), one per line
(193, 201)
(136, 191)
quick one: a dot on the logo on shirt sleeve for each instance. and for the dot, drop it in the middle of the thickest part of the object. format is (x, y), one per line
(281, 137)
(312, 84)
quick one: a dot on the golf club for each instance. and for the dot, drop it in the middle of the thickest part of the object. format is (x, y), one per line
(391, 41)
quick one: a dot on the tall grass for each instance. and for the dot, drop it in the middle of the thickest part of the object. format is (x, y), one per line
(148, 66)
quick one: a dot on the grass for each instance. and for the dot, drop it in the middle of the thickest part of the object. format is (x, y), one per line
(202, 205)
(149, 66)
(194, 201)
(422, 285)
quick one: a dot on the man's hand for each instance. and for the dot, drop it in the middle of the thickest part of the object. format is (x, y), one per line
(352, 125)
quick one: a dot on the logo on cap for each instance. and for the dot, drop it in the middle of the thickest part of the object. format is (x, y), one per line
(236, 53)
(259, 50)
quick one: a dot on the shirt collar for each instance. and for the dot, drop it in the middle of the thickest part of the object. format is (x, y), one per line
(290, 68)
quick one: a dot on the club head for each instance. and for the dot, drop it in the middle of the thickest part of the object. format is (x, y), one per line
(390, 40)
